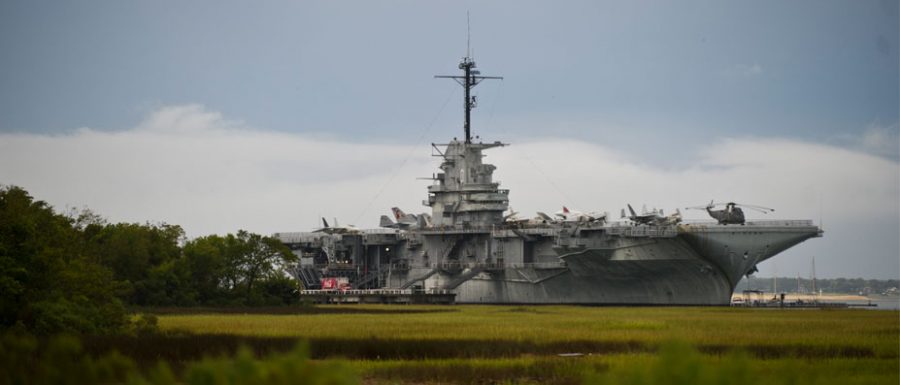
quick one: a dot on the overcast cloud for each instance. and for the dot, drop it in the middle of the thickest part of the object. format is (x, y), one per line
(320, 108)
(191, 166)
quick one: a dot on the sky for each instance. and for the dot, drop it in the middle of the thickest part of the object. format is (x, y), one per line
(220, 116)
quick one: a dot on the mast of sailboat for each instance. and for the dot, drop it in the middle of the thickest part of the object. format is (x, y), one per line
(815, 292)
(775, 278)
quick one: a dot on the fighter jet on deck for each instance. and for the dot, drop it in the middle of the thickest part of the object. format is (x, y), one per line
(349, 229)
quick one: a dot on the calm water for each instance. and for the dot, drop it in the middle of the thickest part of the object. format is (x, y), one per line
(883, 304)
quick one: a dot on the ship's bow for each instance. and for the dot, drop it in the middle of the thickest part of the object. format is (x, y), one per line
(737, 249)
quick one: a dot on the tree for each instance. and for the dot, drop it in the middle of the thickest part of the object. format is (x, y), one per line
(204, 258)
(135, 251)
(251, 258)
(47, 282)
(71, 272)
(243, 268)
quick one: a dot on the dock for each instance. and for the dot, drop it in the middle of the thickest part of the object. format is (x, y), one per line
(379, 296)
(760, 299)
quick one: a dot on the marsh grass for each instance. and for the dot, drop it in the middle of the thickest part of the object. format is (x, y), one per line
(676, 363)
(536, 329)
(186, 347)
(300, 309)
(521, 344)
(148, 349)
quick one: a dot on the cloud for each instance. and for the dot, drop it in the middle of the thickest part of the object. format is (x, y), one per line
(745, 70)
(882, 140)
(792, 176)
(190, 166)
(187, 119)
(752, 70)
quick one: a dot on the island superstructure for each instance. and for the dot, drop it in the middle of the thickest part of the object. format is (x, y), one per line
(468, 247)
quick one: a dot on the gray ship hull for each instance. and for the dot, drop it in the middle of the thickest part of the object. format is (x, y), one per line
(616, 283)
(688, 264)
(700, 266)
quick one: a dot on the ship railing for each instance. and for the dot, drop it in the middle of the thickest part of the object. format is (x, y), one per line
(455, 230)
(398, 266)
(532, 230)
(534, 265)
(643, 231)
(350, 292)
(314, 237)
(792, 222)
(380, 231)
(769, 223)
(488, 265)
(297, 237)
(699, 222)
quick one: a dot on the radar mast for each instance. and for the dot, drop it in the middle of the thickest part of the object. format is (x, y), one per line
(471, 77)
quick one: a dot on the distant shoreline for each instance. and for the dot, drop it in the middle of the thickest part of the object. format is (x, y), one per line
(793, 297)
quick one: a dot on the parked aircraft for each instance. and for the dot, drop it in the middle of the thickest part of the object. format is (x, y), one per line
(513, 218)
(388, 223)
(732, 213)
(405, 221)
(578, 216)
(645, 218)
(336, 229)
(654, 217)
(400, 216)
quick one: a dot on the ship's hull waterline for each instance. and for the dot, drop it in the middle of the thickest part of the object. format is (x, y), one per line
(689, 264)
(701, 266)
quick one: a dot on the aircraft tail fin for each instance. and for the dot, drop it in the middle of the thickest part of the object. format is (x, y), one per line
(631, 210)
(386, 221)
(324, 222)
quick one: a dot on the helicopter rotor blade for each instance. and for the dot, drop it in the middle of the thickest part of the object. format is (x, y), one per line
(755, 207)
(757, 210)
(705, 207)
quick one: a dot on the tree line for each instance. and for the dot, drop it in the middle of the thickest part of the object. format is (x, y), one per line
(827, 285)
(75, 272)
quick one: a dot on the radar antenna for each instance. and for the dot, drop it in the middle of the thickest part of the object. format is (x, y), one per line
(471, 77)
(468, 36)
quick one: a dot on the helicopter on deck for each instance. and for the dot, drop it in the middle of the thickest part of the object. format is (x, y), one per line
(732, 214)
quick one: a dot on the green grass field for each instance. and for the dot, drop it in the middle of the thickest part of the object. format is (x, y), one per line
(522, 344)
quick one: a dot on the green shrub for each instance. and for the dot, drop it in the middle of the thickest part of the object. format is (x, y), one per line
(290, 368)
(61, 360)
(144, 325)
(679, 363)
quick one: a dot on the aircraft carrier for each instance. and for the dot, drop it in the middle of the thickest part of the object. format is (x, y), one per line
(469, 247)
